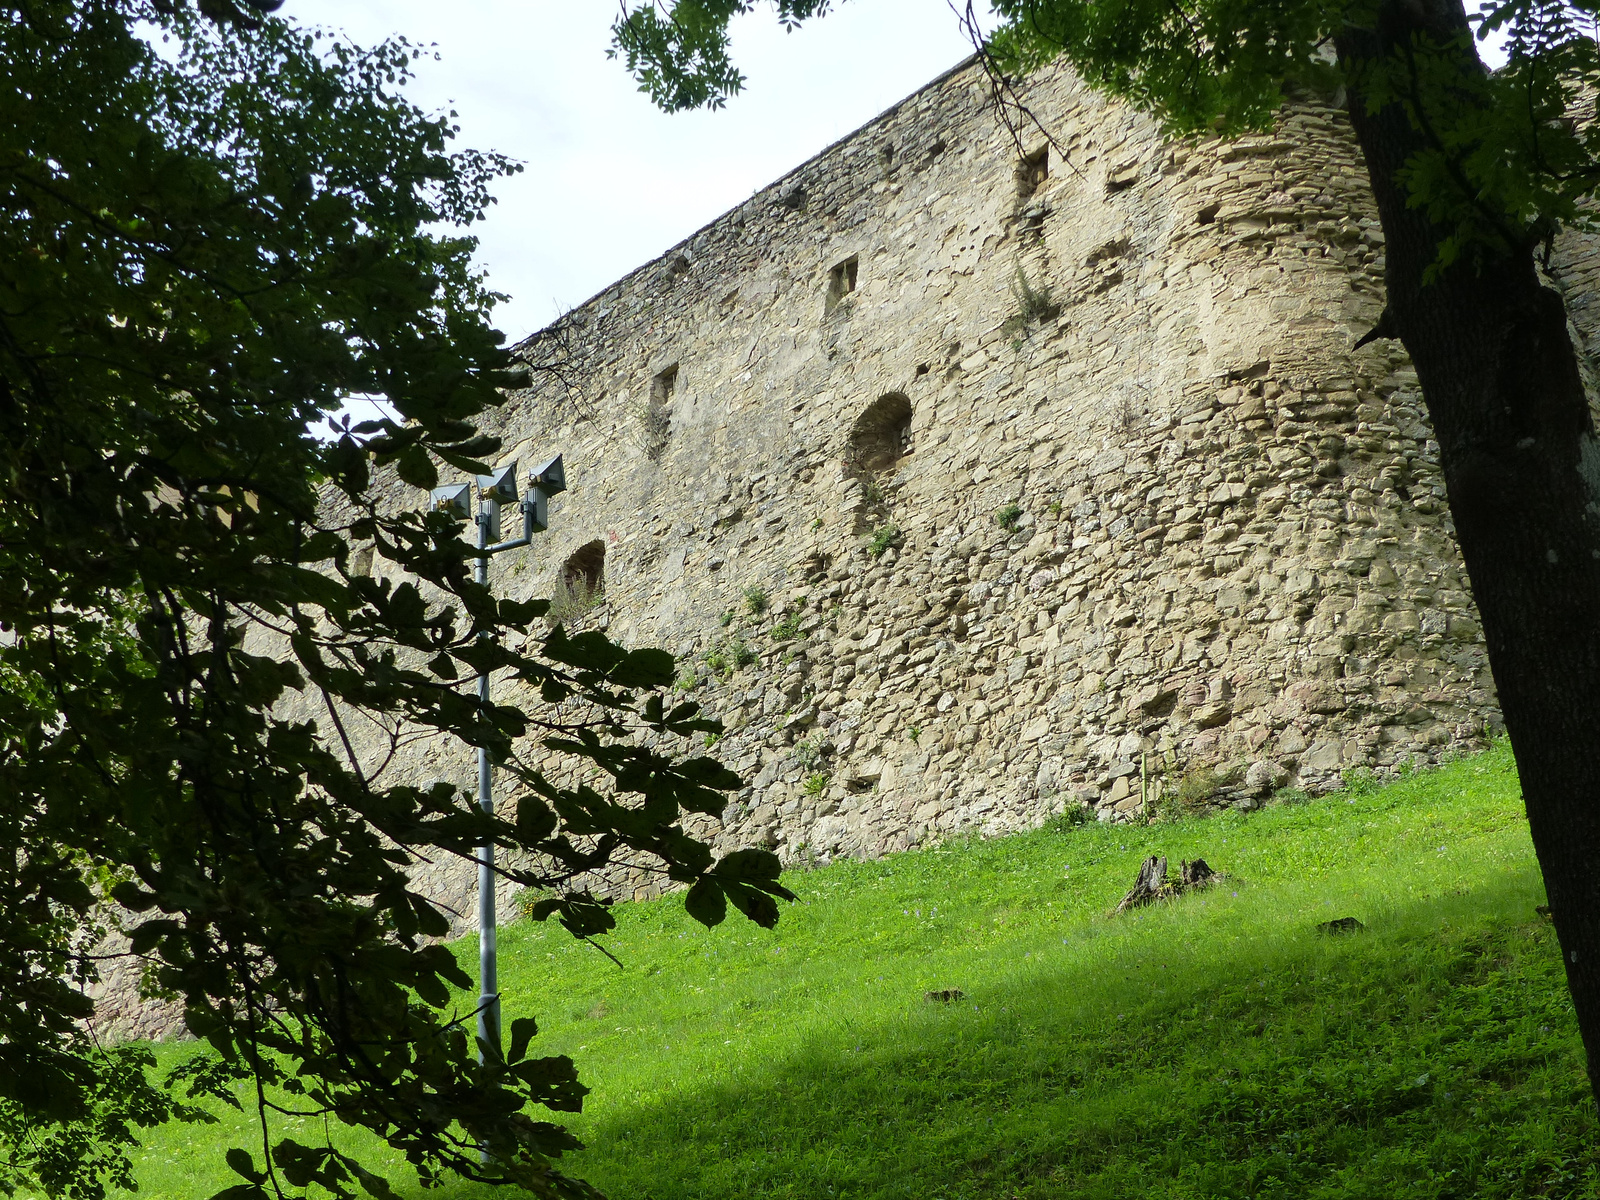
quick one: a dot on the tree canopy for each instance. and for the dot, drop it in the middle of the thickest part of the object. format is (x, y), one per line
(217, 227)
(1505, 161)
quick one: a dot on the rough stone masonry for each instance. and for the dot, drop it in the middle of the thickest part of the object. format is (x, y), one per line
(972, 481)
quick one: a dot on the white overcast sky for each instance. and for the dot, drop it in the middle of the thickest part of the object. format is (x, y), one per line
(610, 182)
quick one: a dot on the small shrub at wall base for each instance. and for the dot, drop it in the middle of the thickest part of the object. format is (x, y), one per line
(1196, 787)
(1008, 516)
(882, 539)
(1070, 818)
(1360, 781)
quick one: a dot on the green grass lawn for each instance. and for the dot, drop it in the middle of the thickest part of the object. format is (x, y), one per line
(1216, 1046)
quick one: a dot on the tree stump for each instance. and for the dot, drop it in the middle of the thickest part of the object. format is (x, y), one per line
(1341, 925)
(1152, 884)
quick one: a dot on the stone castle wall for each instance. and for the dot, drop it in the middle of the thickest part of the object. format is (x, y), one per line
(1060, 490)
(1050, 468)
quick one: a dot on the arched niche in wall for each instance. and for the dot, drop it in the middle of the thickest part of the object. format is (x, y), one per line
(581, 585)
(881, 436)
(584, 571)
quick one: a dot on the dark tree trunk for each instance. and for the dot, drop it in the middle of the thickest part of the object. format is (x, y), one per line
(1500, 378)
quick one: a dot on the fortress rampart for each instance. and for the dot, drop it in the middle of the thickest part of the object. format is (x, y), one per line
(1054, 463)
(973, 483)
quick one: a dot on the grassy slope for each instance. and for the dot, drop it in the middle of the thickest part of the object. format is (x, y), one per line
(1215, 1046)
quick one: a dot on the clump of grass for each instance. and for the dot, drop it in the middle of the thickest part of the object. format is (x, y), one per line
(816, 783)
(727, 655)
(1007, 516)
(882, 538)
(787, 628)
(570, 599)
(756, 600)
(1036, 303)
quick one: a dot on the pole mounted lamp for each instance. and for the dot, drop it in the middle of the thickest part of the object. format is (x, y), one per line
(493, 492)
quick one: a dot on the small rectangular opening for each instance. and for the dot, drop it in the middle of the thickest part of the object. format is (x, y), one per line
(663, 385)
(842, 280)
(1033, 171)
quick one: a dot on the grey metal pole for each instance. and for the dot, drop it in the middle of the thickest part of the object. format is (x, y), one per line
(488, 956)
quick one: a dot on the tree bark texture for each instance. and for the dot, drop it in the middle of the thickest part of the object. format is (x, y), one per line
(1517, 442)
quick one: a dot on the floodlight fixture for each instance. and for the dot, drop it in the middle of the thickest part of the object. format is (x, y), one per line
(550, 477)
(455, 499)
(500, 486)
(535, 512)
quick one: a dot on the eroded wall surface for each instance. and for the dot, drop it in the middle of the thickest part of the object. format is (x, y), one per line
(1058, 495)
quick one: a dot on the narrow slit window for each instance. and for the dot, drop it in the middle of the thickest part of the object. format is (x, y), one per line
(663, 385)
(842, 280)
(656, 416)
(1033, 171)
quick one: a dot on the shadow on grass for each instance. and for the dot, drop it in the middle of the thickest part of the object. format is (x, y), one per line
(1433, 1056)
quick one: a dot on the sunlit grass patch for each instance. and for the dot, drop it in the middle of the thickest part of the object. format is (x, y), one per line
(1216, 1045)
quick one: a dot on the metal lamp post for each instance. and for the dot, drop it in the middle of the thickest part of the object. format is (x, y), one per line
(494, 490)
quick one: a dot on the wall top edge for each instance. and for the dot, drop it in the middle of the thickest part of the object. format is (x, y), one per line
(937, 81)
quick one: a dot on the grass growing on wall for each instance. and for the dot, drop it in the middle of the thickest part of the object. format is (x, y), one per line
(1212, 1047)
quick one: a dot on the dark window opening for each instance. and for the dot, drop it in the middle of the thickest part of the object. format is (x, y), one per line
(1207, 215)
(1033, 171)
(582, 585)
(586, 567)
(881, 435)
(663, 385)
(936, 149)
(886, 160)
(656, 416)
(842, 280)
